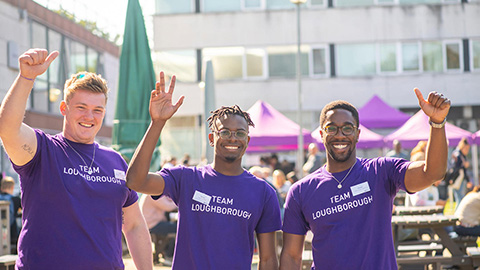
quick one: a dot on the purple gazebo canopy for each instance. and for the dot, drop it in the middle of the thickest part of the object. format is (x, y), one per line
(378, 114)
(273, 132)
(417, 129)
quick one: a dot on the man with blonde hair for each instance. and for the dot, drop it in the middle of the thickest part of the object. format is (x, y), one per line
(74, 197)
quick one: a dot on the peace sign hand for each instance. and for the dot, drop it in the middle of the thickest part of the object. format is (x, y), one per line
(161, 106)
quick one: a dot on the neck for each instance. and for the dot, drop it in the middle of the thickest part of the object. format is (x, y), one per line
(333, 166)
(230, 169)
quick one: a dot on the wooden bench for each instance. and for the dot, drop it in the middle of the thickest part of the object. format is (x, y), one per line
(474, 253)
(7, 262)
(436, 261)
(427, 248)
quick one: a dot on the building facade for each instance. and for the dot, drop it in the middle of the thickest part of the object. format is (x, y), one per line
(350, 49)
(26, 24)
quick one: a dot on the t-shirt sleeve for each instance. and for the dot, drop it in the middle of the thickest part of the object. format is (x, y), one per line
(131, 199)
(293, 220)
(270, 219)
(28, 169)
(396, 169)
(172, 177)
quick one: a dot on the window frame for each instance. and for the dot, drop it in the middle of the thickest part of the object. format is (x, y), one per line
(311, 73)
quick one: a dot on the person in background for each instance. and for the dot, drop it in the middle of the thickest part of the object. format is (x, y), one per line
(418, 152)
(347, 204)
(314, 160)
(429, 196)
(74, 196)
(468, 214)
(170, 162)
(461, 183)
(186, 160)
(397, 150)
(7, 186)
(221, 205)
(292, 177)
(281, 184)
(156, 213)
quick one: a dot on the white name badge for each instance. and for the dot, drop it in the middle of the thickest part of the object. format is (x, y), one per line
(119, 174)
(360, 188)
(202, 197)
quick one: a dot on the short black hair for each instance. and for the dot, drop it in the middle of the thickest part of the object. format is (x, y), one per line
(339, 104)
(228, 110)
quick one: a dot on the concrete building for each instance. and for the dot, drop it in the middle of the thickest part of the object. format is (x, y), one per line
(24, 25)
(351, 49)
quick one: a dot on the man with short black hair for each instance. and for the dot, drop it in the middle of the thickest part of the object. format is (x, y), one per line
(347, 204)
(221, 205)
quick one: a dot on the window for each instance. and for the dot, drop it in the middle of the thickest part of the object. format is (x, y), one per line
(282, 61)
(279, 4)
(475, 54)
(220, 5)
(318, 3)
(92, 60)
(56, 73)
(254, 63)
(355, 59)
(227, 62)
(410, 56)
(182, 64)
(353, 3)
(388, 57)
(319, 62)
(253, 4)
(453, 51)
(432, 56)
(172, 7)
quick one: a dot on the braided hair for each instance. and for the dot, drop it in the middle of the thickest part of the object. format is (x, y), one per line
(231, 110)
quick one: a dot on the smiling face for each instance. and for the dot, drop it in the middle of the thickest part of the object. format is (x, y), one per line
(229, 150)
(341, 149)
(83, 116)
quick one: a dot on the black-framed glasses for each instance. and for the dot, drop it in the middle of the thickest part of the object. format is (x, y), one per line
(227, 134)
(332, 130)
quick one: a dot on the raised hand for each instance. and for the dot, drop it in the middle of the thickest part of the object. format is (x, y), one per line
(35, 62)
(436, 106)
(161, 106)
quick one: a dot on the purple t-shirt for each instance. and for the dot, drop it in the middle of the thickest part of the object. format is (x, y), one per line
(71, 219)
(351, 225)
(218, 216)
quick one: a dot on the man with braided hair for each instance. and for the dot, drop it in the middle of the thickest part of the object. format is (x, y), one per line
(221, 205)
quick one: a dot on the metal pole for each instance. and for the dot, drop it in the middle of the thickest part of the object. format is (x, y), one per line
(300, 155)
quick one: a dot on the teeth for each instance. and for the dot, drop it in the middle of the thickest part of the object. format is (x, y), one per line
(340, 146)
(231, 147)
(86, 125)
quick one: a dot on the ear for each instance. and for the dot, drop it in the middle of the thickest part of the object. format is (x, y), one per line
(63, 107)
(210, 139)
(358, 133)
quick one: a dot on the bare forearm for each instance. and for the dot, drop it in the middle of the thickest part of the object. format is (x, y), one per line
(436, 154)
(140, 164)
(138, 241)
(13, 107)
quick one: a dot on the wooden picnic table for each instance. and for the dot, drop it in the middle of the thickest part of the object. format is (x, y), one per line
(437, 223)
(418, 210)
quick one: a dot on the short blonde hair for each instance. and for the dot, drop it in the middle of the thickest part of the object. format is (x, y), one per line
(85, 81)
(7, 183)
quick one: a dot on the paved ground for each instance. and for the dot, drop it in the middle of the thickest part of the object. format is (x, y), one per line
(129, 265)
